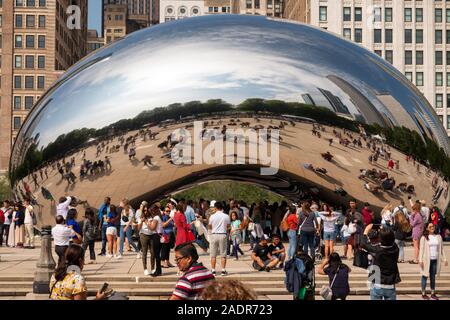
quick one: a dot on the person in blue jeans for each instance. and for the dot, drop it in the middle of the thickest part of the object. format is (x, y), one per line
(103, 225)
(384, 264)
(309, 227)
(126, 229)
(292, 221)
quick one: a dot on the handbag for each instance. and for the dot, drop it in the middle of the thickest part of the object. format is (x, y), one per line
(300, 228)
(33, 217)
(190, 235)
(284, 224)
(361, 259)
(164, 238)
(326, 292)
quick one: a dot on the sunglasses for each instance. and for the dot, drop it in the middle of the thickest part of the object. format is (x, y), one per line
(177, 259)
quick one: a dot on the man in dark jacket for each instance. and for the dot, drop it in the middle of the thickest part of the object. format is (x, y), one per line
(385, 274)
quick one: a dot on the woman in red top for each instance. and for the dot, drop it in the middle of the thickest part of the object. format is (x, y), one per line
(181, 225)
(292, 221)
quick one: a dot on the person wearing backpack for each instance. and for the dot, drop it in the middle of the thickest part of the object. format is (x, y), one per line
(401, 229)
(401, 209)
(337, 273)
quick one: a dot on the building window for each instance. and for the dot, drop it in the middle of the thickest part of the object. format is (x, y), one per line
(448, 119)
(17, 82)
(408, 15)
(439, 100)
(17, 61)
(41, 41)
(29, 82)
(408, 57)
(419, 57)
(17, 123)
(29, 41)
(19, 21)
(389, 56)
(408, 35)
(31, 23)
(388, 14)
(358, 14)
(18, 41)
(31, 3)
(41, 21)
(29, 62)
(29, 102)
(388, 36)
(249, 4)
(377, 36)
(323, 13)
(447, 36)
(41, 82)
(409, 76)
(17, 102)
(419, 15)
(41, 62)
(437, 15)
(438, 36)
(378, 52)
(257, 4)
(439, 79)
(438, 58)
(358, 35)
(419, 79)
(377, 14)
(19, 3)
(348, 33)
(447, 58)
(347, 14)
(42, 3)
(419, 36)
(447, 15)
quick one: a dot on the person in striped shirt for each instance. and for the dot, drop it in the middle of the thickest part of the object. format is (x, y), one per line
(195, 276)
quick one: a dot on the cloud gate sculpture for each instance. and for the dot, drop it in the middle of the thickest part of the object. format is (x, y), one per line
(338, 122)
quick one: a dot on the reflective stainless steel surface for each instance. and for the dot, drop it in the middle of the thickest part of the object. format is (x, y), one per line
(204, 68)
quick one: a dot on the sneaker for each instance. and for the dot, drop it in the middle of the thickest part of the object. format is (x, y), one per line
(267, 269)
(223, 273)
(138, 256)
(281, 265)
(109, 255)
(146, 273)
(425, 297)
(118, 256)
(434, 297)
(213, 272)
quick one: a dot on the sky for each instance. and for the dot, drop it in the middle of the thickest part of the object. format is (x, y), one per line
(95, 15)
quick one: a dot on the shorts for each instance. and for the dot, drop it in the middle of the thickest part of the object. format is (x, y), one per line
(112, 231)
(218, 245)
(345, 240)
(329, 236)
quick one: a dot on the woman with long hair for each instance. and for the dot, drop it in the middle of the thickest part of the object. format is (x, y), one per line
(145, 235)
(18, 219)
(431, 254)
(111, 231)
(337, 273)
(348, 229)
(126, 229)
(416, 221)
(181, 225)
(386, 215)
(67, 283)
(401, 228)
(329, 218)
(169, 238)
(72, 215)
(292, 221)
(235, 234)
(89, 234)
(156, 231)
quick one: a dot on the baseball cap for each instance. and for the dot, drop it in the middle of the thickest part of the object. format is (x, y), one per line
(144, 203)
(212, 203)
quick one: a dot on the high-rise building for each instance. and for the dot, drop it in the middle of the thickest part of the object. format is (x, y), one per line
(221, 6)
(143, 12)
(413, 35)
(180, 9)
(94, 42)
(117, 24)
(270, 8)
(36, 46)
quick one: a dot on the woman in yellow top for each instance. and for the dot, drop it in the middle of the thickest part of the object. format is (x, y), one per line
(67, 283)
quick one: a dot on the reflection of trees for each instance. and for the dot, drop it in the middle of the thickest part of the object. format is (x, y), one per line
(403, 139)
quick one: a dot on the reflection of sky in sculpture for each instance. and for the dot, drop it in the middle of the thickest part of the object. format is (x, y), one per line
(228, 57)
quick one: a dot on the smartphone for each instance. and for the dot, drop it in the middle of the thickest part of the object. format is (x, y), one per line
(104, 287)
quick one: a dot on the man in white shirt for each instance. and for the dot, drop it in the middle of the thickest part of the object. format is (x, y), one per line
(62, 234)
(425, 212)
(29, 226)
(219, 224)
(401, 209)
(63, 206)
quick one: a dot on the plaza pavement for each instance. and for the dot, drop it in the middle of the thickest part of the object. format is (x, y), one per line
(17, 267)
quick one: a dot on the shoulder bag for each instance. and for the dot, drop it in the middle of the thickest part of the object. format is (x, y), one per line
(327, 291)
